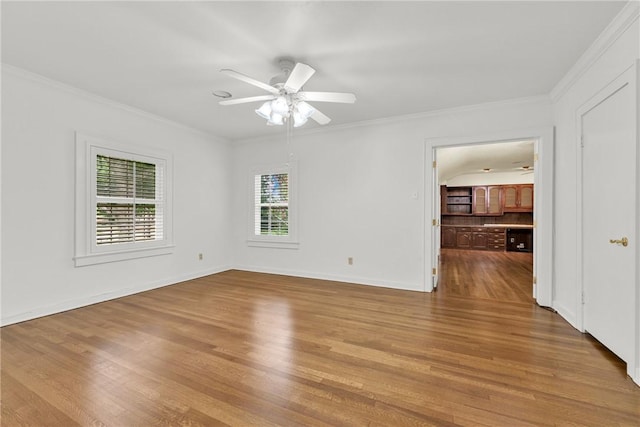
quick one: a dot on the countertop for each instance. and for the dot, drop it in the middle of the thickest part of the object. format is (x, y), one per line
(525, 226)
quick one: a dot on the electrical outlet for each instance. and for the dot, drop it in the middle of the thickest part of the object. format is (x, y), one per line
(350, 260)
(200, 257)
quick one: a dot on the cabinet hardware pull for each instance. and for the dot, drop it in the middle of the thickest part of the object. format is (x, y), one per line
(624, 241)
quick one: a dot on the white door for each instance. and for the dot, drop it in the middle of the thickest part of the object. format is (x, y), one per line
(609, 246)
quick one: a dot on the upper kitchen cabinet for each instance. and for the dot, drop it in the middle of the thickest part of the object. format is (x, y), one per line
(518, 198)
(487, 201)
(456, 200)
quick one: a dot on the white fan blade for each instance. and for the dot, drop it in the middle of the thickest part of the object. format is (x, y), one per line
(250, 80)
(346, 98)
(319, 117)
(245, 100)
(299, 76)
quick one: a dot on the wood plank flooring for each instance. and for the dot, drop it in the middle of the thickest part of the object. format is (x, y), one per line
(248, 349)
(501, 276)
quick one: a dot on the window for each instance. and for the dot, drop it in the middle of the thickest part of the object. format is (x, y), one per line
(272, 204)
(128, 201)
(123, 202)
(273, 219)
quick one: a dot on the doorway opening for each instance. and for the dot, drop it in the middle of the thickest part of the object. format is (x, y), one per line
(486, 219)
(500, 203)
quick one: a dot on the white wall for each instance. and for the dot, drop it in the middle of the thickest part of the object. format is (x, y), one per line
(39, 118)
(355, 192)
(497, 178)
(580, 85)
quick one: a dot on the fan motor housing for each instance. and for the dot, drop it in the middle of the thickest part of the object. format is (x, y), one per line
(286, 65)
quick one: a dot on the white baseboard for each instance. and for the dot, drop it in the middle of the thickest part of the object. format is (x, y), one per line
(94, 299)
(566, 314)
(337, 278)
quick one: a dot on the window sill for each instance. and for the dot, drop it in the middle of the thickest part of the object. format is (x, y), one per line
(103, 258)
(272, 244)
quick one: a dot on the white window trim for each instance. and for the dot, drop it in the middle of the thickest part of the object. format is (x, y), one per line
(87, 252)
(282, 242)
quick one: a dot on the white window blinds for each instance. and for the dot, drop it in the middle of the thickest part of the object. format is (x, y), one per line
(129, 203)
(271, 204)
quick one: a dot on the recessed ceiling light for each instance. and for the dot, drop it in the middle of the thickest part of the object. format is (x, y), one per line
(222, 94)
(486, 170)
(526, 167)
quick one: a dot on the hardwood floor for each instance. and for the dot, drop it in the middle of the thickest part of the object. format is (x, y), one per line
(245, 349)
(501, 276)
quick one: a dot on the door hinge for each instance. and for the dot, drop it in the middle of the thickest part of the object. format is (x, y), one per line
(535, 224)
(434, 164)
(535, 157)
(433, 271)
(535, 280)
(434, 222)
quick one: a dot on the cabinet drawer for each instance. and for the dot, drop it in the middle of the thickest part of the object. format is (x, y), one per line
(495, 230)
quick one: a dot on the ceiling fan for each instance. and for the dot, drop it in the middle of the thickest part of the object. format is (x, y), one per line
(285, 99)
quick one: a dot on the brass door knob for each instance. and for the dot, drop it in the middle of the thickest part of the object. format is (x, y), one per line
(624, 241)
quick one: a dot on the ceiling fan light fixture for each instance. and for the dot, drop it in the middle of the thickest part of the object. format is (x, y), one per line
(280, 106)
(276, 119)
(265, 111)
(301, 113)
(286, 99)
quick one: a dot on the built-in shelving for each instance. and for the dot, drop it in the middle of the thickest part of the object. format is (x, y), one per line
(457, 201)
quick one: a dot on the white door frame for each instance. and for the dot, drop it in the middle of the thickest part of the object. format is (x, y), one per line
(629, 76)
(543, 203)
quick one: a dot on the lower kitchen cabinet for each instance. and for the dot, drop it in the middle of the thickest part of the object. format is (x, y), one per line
(496, 239)
(480, 238)
(463, 238)
(448, 237)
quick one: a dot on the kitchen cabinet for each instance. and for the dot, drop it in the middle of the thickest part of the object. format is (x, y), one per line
(479, 238)
(518, 198)
(487, 200)
(495, 239)
(463, 238)
(448, 237)
(456, 200)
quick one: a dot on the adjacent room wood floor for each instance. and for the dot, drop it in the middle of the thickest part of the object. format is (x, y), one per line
(500, 276)
(247, 349)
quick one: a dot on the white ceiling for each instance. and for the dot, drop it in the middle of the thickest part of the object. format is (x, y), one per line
(398, 58)
(473, 159)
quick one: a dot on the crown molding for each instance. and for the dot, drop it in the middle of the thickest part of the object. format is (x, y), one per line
(623, 20)
(38, 78)
(538, 99)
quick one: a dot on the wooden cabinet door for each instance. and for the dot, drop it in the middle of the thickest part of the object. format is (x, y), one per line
(518, 198)
(463, 239)
(479, 240)
(487, 200)
(448, 239)
(480, 201)
(494, 200)
(510, 197)
(526, 198)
